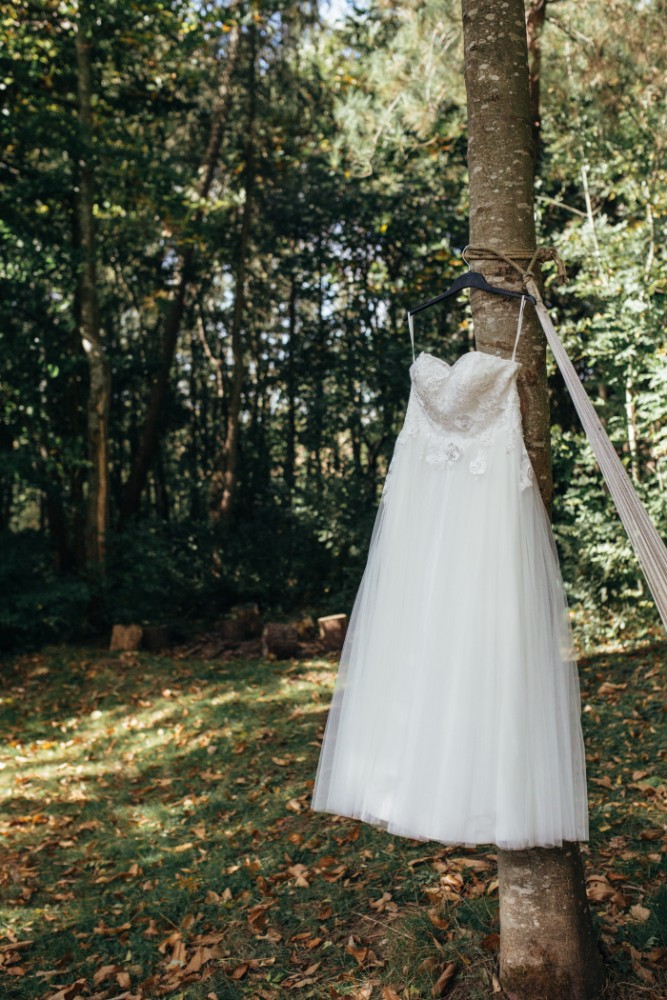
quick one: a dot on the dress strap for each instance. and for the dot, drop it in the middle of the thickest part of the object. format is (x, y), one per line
(411, 327)
(518, 326)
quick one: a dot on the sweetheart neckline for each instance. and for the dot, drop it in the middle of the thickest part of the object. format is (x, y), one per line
(496, 357)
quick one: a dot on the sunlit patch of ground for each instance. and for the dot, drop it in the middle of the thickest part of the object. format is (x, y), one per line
(157, 840)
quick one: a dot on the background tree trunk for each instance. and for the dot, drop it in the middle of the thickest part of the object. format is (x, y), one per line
(547, 948)
(146, 451)
(290, 444)
(535, 16)
(224, 479)
(99, 390)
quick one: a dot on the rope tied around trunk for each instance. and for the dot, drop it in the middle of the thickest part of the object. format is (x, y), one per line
(512, 255)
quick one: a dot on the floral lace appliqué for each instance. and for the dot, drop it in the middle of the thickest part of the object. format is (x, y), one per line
(526, 475)
(441, 452)
(460, 409)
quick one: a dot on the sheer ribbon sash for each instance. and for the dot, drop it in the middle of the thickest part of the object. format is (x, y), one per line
(641, 531)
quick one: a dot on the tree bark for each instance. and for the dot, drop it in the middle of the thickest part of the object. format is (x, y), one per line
(99, 390)
(535, 16)
(6, 483)
(224, 480)
(150, 433)
(290, 449)
(547, 948)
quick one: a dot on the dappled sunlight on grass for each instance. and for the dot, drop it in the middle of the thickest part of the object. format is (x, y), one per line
(156, 822)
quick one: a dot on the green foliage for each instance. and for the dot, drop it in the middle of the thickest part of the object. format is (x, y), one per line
(605, 105)
(161, 572)
(360, 211)
(38, 604)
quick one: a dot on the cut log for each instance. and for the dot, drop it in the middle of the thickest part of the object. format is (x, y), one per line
(306, 628)
(249, 615)
(156, 637)
(280, 640)
(231, 630)
(126, 638)
(333, 629)
(242, 622)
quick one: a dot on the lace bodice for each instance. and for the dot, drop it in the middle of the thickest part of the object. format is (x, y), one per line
(468, 397)
(458, 410)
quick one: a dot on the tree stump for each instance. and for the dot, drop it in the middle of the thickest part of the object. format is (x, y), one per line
(280, 640)
(231, 630)
(126, 638)
(306, 628)
(242, 622)
(156, 637)
(333, 629)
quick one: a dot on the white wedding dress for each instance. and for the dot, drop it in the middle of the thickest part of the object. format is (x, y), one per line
(456, 712)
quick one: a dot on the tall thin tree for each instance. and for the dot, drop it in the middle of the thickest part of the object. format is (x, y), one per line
(224, 479)
(149, 440)
(99, 390)
(547, 948)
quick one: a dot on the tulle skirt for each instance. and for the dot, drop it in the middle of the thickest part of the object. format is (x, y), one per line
(456, 713)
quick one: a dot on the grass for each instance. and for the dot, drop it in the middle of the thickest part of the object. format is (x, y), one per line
(157, 840)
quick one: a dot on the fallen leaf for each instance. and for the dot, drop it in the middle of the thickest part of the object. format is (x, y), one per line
(437, 920)
(609, 688)
(444, 981)
(68, 992)
(476, 863)
(598, 888)
(110, 931)
(380, 904)
(257, 918)
(299, 872)
(491, 942)
(650, 835)
(359, 953)
(641, 970)
(363, 993)
(103, 973)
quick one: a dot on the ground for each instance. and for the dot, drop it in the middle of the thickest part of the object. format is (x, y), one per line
(156, 840)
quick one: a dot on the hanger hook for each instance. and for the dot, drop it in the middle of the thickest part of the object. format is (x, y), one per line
(463, 254)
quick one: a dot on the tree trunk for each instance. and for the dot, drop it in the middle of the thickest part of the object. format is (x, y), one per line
(99, 391)
(150, 433)
(290, 448)
(535, 15)
(223, 484)
(6, 479)
(547, 948)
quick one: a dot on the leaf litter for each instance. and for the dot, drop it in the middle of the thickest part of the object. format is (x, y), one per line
(157, 840)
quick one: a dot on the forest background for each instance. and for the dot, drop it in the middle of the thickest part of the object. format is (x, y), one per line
(214, 218)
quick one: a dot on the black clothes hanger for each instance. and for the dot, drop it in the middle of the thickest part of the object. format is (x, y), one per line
(472, 279)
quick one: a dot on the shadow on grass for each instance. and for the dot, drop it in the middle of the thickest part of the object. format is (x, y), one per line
(149, 800)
